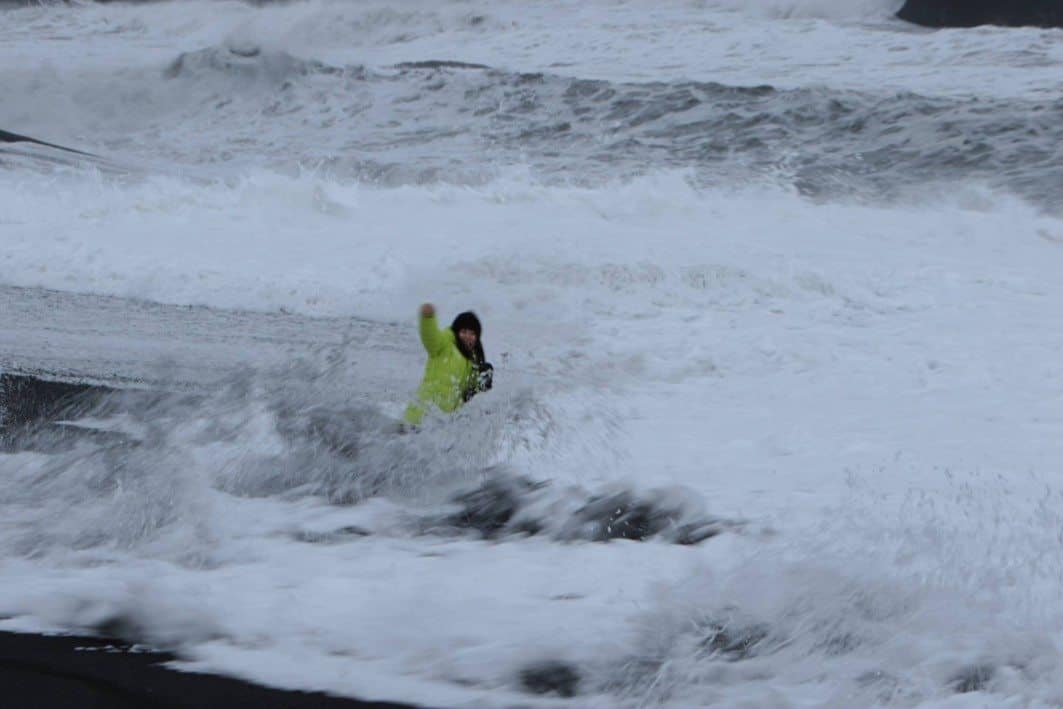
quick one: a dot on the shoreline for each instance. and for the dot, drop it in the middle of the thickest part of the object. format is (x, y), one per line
(84, 671)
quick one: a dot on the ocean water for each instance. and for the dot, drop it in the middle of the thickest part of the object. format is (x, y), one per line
(789, 266)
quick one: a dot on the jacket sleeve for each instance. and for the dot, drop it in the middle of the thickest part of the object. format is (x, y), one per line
(482, 378)
(485, 376)
(433, 339)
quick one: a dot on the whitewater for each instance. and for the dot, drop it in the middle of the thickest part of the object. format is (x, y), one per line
(786, 270)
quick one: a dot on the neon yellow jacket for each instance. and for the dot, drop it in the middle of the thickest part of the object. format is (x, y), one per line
(446, 374)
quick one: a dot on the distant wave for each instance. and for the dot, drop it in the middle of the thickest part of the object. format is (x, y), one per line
(774, 8)
(824, 142)
(833, 9)
(244, 61)
(453, 121)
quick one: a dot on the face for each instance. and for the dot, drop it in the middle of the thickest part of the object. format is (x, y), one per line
(467, 337)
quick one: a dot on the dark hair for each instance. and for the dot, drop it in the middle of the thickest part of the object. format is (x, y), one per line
(469, 321)
(484, 370)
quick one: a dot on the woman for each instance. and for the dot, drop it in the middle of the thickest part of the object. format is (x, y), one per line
(456, 370)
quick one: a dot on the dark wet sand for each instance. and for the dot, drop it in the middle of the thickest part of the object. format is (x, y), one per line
(42, 671)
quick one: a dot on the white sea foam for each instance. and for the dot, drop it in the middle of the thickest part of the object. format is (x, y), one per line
(872, 386)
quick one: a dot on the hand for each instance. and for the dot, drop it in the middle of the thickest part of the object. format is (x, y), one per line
(484, 376)
(428, 310)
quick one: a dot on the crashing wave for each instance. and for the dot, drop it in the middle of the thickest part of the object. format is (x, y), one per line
(245, 61)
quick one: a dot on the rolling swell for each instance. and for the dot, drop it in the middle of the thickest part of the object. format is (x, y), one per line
(421, 122)
(450, 121)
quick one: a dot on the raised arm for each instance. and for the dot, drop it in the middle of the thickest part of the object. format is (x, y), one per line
(433, 339)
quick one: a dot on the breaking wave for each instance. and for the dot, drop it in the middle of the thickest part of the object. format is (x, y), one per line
(417, 122)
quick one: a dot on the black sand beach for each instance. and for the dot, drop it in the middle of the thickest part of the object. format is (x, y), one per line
(42, 671)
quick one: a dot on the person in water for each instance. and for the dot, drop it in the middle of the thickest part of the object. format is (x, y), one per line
(456, 369)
